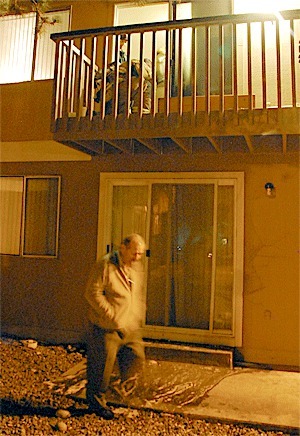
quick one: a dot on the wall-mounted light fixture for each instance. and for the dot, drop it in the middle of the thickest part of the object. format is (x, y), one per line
(270, 189)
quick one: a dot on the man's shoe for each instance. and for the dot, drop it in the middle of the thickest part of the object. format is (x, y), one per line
(104, 413)
(100, 407)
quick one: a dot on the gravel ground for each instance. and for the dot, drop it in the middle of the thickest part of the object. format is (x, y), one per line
(29, 407)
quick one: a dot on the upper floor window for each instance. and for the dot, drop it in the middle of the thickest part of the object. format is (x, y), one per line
(264, 6)
(29, 215)
(27, 52)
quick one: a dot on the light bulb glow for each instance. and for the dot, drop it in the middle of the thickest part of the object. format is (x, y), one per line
(264, 6)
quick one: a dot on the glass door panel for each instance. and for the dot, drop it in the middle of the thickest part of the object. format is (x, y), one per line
(180, 266)
(159, 263)
(129, 212)
(223, 295)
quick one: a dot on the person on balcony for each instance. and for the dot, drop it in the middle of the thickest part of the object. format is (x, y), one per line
(116, 309)
(135, 70)
(122, 53)
(146, 85)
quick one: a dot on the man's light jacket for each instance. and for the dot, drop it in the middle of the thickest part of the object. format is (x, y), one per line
(114, 301)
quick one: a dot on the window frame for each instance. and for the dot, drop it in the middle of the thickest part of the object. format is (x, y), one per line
(22, 234)
(35, 45)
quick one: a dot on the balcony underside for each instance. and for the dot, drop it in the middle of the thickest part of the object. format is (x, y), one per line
(243, 131)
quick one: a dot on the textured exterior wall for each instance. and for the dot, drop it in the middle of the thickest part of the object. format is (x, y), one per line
(43, 298)
(26, 111)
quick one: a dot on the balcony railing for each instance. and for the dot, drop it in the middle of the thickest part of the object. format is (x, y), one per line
(237, 62)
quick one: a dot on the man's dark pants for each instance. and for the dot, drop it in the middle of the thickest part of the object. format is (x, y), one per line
(103, 348)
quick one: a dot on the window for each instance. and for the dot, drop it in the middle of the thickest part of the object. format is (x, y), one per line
(29, 215)
(27, 52)
(270, 6)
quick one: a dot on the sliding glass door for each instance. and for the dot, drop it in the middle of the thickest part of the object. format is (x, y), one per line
(193, 229)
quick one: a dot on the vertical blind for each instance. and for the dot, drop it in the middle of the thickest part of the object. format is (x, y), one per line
(18, 43)
(16, 47)
(40, 222)
(45, 50)
(11, 199)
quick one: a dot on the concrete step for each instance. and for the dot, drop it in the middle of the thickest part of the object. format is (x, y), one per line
(189, 354)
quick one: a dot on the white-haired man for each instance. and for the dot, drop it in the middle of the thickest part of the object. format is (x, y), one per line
(116, 310)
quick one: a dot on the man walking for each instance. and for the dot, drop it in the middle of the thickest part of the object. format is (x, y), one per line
(116, 310)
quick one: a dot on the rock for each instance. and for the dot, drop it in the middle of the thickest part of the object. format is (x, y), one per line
(30, 343)
(61, 426)
(62, 413)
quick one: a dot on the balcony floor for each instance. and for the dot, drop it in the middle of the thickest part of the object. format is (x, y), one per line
(248, 131)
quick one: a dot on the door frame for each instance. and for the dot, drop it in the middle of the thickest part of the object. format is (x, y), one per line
(108, 180)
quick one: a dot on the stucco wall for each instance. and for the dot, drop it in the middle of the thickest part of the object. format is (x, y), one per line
(271, 293)
(26, 111)
(43, 298)
(88, 14)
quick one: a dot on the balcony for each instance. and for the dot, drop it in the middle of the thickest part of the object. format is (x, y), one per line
(220, 84)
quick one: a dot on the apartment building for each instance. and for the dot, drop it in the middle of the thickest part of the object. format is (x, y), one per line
(191, 139)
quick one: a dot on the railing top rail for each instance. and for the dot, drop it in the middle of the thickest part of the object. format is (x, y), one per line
(177, 24)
